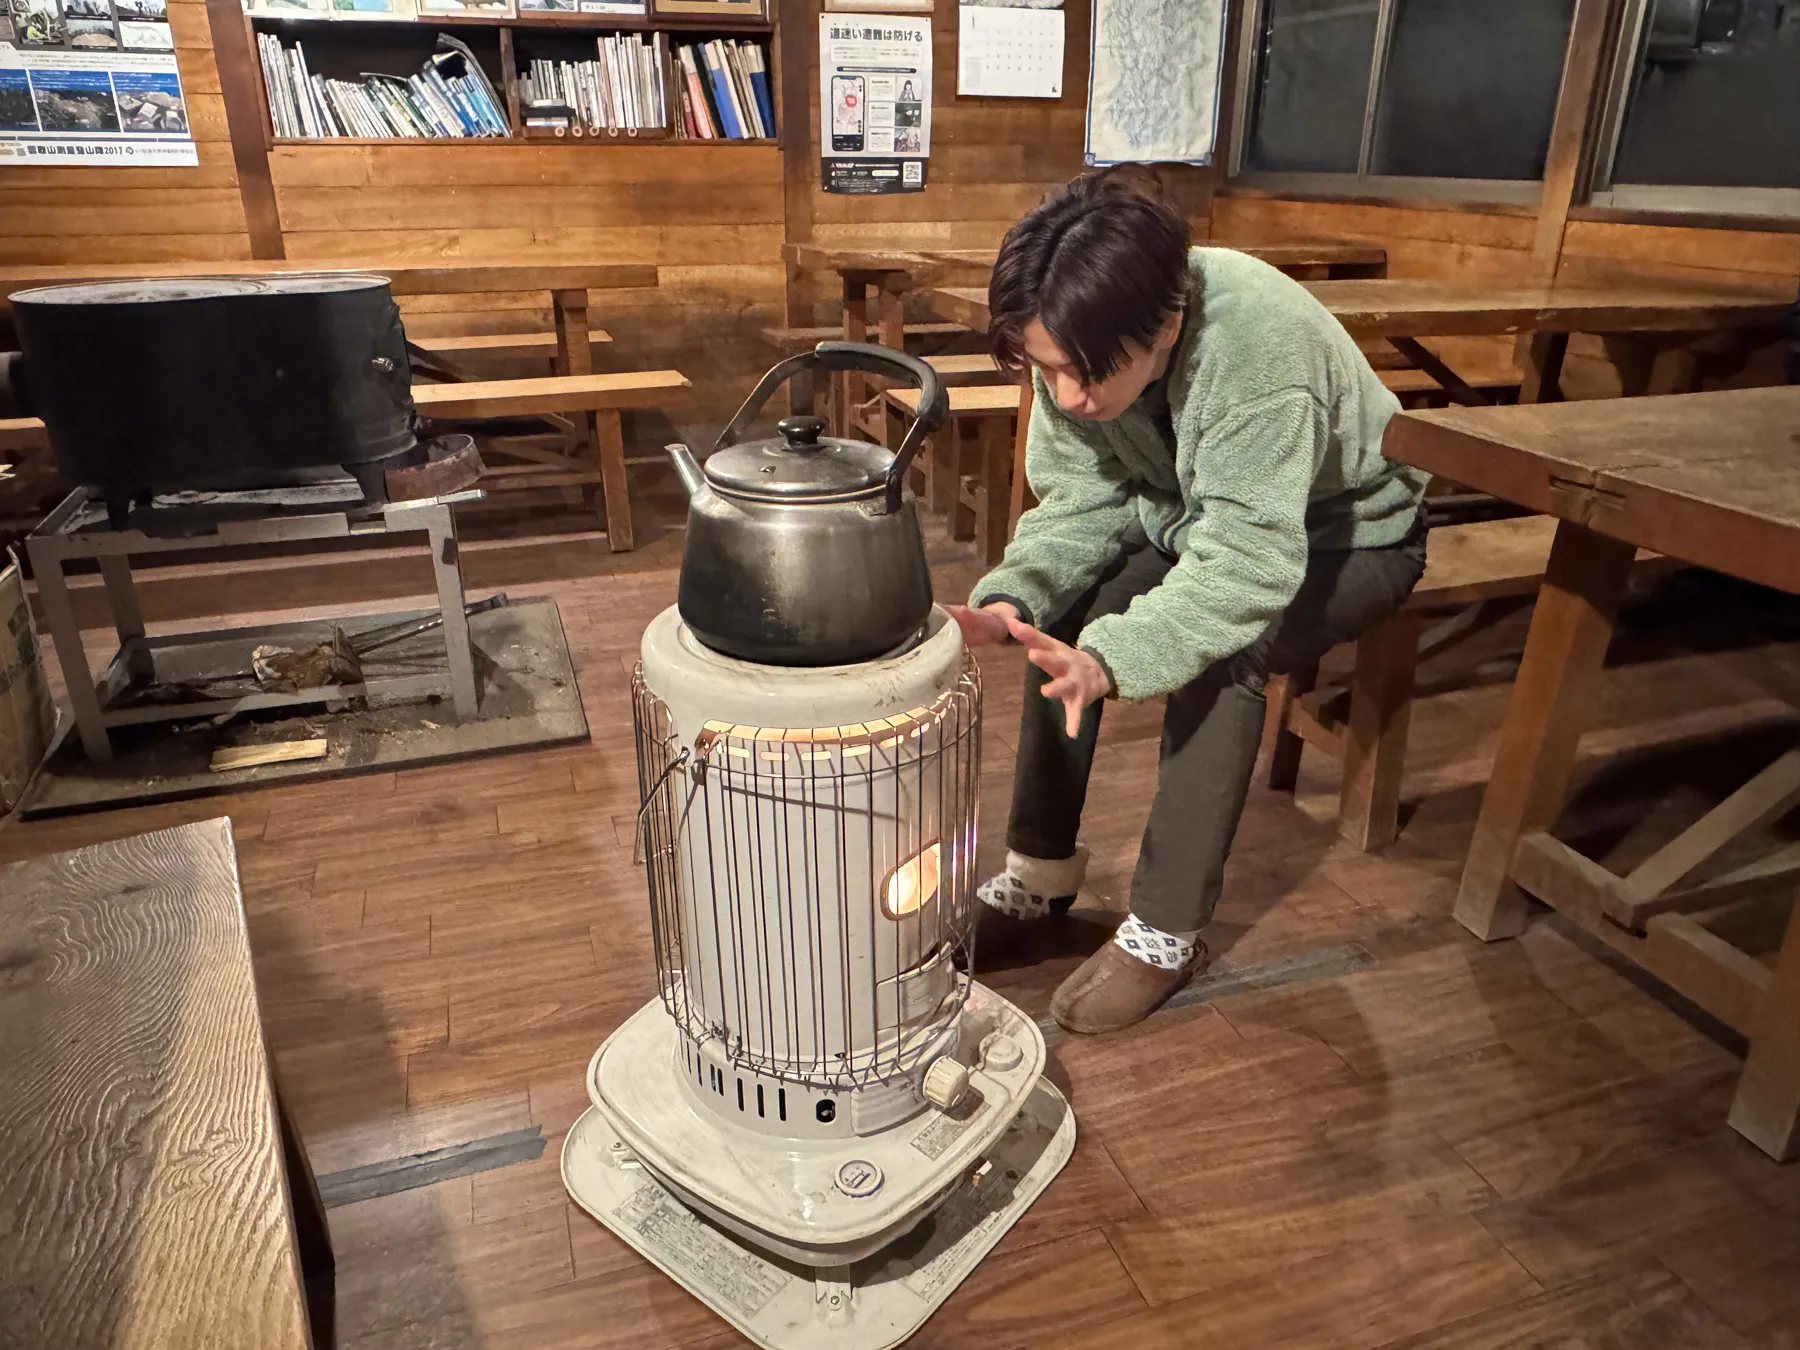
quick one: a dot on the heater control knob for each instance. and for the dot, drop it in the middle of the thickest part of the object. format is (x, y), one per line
(945, 1082)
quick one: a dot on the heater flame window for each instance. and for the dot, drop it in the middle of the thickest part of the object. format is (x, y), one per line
(912, 885)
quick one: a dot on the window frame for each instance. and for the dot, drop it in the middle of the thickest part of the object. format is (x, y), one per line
(1605, 194)
(1361, 183)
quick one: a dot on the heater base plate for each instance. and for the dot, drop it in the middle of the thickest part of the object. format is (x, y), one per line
(882, 1299)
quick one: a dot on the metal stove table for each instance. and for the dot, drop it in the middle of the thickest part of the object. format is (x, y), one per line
(78, 529)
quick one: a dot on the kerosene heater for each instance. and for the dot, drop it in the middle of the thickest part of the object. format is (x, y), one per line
(822, 1123)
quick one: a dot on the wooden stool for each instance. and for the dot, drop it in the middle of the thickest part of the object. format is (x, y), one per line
(967, 464)
(1365, 724)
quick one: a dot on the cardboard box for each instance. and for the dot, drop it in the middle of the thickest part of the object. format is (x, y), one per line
(27, 713)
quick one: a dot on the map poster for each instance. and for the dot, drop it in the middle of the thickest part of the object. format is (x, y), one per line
(875, 97)
(1153, 81)
(90, 82)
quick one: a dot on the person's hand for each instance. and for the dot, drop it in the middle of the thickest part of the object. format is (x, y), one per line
(984, 627)
(1076, 678)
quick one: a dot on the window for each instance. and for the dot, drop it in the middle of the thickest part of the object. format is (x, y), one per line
(1453, 97)
(1704, 109)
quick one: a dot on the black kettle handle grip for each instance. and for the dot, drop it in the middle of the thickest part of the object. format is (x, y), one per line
(934, 403)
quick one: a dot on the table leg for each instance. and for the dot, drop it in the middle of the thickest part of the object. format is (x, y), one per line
(65, 635)
(1653, 363)
(447, 568)
(1283, 744)
(890, 331)
(1381, 692)
(1542, 381)
(575, 357)
(601, 433)
(1766, 1110)
(1549, 709)
(1021, 435)
(608, 432)
(996, 494)
(1674, 369)
(846, 385)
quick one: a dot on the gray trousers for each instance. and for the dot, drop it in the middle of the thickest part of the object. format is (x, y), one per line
(1211, 730)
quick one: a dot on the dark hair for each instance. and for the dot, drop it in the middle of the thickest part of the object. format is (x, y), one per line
(1100, 263)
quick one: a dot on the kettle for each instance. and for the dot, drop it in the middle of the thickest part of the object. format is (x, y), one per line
(804, 549)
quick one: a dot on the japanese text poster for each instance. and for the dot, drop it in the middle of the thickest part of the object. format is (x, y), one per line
(90, 82)
(875, 103)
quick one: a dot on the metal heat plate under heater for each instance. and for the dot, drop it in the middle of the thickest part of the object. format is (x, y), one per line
(875, 1303)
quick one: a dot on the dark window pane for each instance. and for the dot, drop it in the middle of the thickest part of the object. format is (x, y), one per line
(1470, 89)
(1716, 101)
(1312, 83)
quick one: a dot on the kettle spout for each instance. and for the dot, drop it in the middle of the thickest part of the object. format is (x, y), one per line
(692, 476)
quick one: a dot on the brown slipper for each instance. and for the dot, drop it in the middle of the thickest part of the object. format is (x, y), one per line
(1112, 989)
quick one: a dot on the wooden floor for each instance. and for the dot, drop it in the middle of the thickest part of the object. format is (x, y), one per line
(1456, 1146)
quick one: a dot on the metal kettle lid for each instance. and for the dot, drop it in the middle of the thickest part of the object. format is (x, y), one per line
(799, 464)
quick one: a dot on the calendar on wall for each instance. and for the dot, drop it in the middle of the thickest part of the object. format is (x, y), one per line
(1010, 50)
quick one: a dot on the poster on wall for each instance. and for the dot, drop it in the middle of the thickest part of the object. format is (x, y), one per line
(875, 102)
(90, 82)
(1010, 49)
(1154, 102)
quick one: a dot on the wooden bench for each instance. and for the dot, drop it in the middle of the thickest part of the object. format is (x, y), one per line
(799, 339)
(598, 398)
(1420, 389)
(541, 345)
(975, 368)
(968, 477)
(851, 407)
(22, 433)
(155, 1192)
(1365, 724)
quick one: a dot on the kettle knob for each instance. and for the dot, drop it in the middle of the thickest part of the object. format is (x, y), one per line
(801, 432)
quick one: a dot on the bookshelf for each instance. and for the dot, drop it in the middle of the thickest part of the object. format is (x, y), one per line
(348, 49)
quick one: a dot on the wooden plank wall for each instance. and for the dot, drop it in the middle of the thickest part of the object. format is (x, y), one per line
(708, 217)
(992, 159)
(80, 215)
(713, 218)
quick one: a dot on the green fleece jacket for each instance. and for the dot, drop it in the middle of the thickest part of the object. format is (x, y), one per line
(1262, 440)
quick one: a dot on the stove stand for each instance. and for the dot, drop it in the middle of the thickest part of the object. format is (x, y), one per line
(186, 522)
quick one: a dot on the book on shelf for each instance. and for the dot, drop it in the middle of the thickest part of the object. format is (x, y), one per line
(450, 97)
(331, 9)
(723, 92)
(621, 89)
(625, 8)
(490, 9)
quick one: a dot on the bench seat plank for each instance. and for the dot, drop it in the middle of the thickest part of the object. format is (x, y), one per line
(549, 393)
(499, 344)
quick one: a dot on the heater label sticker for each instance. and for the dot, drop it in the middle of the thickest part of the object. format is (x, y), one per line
(937, 1138)
(963, 1228)
(701, 1253)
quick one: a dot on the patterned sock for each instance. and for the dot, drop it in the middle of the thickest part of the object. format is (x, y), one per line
(1028, 885)
(1009, 894)
(1166, 951)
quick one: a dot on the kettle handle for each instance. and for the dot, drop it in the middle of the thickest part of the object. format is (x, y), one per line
(934, 404)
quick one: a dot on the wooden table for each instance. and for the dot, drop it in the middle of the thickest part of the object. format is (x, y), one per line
(1403, 311)
(1711, 479)
(888, 272)
(1642, 315)
(145, 1172)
